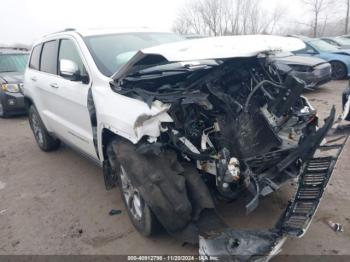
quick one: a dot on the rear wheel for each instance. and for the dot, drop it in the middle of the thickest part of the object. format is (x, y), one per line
(339, 70)
(139, 212)
(44, 140)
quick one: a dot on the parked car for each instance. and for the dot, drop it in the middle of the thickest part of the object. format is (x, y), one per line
(12, 66)
(339, 41)
(314, 71)
(180, 123)
(346, 36)
(346, 104)
(338, 58)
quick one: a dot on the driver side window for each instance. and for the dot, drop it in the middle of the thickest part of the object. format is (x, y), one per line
(68, 51)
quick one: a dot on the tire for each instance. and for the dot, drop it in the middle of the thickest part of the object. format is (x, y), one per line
(2, 111)
(139, 212)
(339, 70)
(44, 140)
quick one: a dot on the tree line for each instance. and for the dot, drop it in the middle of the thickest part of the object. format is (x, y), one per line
(235, 17)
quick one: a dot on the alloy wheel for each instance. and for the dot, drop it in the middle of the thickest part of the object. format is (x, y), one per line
(37, 129)
(338, 70)
(134, 201)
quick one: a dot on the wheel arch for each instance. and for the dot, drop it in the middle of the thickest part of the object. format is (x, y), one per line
(28, 102)
(342, 62)
(107, 136)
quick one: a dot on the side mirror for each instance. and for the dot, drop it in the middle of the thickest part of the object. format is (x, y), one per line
(311, 52)
(69, 70)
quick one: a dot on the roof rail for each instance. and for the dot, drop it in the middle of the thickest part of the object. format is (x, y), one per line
(65, 30)
(69, 29)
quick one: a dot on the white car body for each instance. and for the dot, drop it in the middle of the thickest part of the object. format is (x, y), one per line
(64, 110)
(177, 119)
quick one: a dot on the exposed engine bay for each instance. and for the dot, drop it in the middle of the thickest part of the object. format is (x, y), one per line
(235, 119)
(226, 127)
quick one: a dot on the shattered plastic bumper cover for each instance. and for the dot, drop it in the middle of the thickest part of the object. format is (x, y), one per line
(244, 245)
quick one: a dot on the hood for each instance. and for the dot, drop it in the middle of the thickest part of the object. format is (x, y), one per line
(11, 77)
(300, 60)
(210, 48)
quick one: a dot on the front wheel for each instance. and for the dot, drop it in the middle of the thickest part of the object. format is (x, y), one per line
(339, 70)
(139, 212)
(44, 140)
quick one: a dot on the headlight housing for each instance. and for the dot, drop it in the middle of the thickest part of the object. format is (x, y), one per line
(11, 88)
(302, 68)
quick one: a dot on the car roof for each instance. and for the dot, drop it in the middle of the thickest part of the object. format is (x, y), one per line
(106, 31)
(99, 31)
(12, 51)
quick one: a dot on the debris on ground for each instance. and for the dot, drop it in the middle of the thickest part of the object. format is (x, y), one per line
(335, 226)
(15, 243)
(114, 212)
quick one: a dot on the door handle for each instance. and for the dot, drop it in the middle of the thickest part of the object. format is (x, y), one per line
(54, 85)
(33, 79)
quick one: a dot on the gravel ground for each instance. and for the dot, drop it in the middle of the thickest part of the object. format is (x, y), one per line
(56, 203)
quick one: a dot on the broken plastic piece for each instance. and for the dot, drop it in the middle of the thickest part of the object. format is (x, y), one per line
(114, 212)
(335, 226)
(241, 245)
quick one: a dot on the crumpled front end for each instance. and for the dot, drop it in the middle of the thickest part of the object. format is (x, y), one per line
(247, 245)
(241, 127)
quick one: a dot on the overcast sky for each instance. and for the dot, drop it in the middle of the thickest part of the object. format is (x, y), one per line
(25, 21)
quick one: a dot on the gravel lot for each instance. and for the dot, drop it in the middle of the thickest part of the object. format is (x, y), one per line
(56, 203)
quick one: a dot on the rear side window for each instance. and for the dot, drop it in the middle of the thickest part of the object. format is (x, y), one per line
(34, 62)
(49, 54)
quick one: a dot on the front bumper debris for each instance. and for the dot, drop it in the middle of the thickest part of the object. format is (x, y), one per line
(244, 245)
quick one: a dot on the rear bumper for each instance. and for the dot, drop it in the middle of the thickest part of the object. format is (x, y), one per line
(13, 103)
(262, 245)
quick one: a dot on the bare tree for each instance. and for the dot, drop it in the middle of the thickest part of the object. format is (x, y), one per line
(226, 17)
(347, 2)
(277, 15)
(317, 7)
(188, 20)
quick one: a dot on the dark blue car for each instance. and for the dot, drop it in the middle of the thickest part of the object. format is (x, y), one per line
(12, 66)
(338, 58)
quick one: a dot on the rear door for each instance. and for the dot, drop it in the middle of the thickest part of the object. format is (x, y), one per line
(36, 81)
(68, 107)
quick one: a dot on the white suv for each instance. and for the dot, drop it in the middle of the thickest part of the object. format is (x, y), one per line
(178, 125)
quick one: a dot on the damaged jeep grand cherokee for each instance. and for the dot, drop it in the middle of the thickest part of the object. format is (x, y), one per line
(177, 125)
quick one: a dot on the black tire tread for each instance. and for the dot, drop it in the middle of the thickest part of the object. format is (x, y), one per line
(150, 225)
(342, 76)
(50, 143)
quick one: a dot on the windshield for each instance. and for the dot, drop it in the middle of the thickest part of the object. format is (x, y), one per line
(343, 41)
(13, 62)
(111, 52)
(323, 46)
